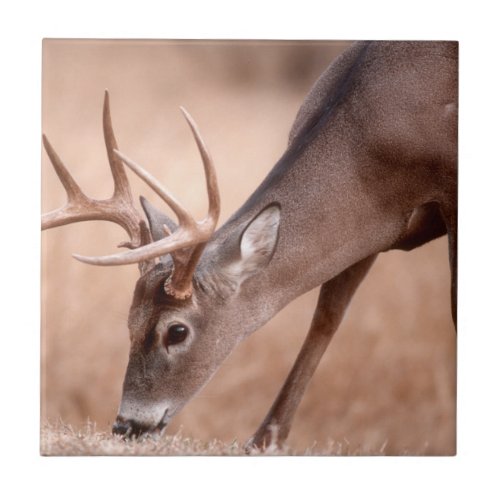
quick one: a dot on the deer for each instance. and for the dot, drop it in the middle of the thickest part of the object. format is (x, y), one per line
(370, 166)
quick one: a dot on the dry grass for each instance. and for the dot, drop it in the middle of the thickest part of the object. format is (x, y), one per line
(61, 439)
(387, 382)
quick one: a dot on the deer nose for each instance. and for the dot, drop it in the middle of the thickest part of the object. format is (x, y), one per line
(122, 427)
(129, 427)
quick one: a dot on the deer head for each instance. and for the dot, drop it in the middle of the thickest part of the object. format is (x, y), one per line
(184, 319)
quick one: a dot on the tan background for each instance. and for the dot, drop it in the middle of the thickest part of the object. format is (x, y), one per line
(388, 380)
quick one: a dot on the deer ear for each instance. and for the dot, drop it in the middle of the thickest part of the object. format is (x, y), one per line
(257, 244)
(258, 241)
(157, 220)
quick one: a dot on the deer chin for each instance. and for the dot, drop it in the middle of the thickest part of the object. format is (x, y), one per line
(134, 428)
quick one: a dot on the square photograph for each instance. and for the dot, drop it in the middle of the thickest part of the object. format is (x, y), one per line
(259, 251)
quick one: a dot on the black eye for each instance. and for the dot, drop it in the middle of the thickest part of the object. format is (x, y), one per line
(176, 334)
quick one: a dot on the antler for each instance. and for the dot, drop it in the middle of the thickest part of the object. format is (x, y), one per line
(186, 243)
(119, 208)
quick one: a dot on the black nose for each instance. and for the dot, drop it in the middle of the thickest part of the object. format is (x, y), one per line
(129, 428)
(122, 427)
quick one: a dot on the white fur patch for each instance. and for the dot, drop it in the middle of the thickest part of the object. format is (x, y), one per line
(256, 246)
(258, 243)
(260, 236)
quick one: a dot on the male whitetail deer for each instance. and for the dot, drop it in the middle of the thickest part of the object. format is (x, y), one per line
(371, 165)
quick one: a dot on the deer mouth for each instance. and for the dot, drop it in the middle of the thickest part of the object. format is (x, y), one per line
(134, 429)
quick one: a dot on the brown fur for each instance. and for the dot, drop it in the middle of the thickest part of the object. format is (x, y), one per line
(371, 165)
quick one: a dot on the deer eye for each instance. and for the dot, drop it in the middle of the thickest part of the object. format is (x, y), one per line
(175, 334)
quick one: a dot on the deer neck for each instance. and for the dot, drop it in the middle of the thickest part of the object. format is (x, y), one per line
(351, 176)
(330, 219)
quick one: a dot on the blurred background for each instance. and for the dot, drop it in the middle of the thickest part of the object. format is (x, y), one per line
(386, 383)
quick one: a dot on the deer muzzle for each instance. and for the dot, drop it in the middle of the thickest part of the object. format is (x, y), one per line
(129, 427)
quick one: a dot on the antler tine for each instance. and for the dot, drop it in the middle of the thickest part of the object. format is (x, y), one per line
(73, 192)
(210, 175)
(122, 186)
(72, 189)
(183, 216)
